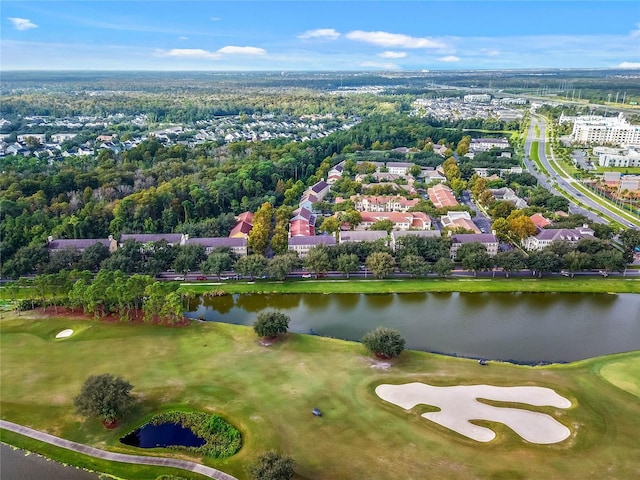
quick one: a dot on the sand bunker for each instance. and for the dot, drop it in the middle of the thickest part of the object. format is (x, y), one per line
(65, 333)
(459, 404)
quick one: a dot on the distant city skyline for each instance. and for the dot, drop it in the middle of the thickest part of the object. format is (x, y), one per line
(318, 35)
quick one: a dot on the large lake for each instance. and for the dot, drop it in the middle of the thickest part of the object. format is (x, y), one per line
(519, 327)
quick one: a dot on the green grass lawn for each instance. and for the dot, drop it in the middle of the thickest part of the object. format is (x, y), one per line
(268, 394)
(416, 285)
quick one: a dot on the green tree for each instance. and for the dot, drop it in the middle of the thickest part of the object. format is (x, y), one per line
(282, 265)
(105, 397)
(443, 266)
(317, 260)
(330, 225)
(474, 256)
(384, 342)
(271, 324)
(352, 217)
(347, 263)
(521, 227)
(381, 264)
(189, 258)
(383, 225)
(511, 261)
(216, 263)
(272, 466)
(576, 261)
(280, 240)
(261, 232)
(252, 265)
(543, 261)
(414, 265)
(610, 261)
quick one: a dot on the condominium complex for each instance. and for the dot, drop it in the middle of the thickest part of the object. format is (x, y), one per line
(593, 129)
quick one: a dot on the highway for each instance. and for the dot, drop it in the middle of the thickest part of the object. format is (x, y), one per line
(577, 200)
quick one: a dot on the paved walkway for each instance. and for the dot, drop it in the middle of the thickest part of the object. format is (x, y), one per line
(115, 457)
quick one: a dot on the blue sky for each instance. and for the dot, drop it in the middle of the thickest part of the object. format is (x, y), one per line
(318, 35)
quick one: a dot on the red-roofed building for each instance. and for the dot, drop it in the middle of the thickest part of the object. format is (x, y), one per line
(442, 196)
(539, 221)
(402, 221)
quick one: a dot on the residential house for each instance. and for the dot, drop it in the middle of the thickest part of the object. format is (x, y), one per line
(546, 237)
(442, 196)
(485, 144)
(362, 236)
(320, 189)
(489, 240)
(455, 220)
(308, 200)
(302, 244)
(399, 168)
(540, 221)
(383, 203)
(508, 195)
(401, 220)
(172, 239)
(80, 244)
(243, 226)
(397, 234)
(303, 223)
(237, 245)
(431, 175)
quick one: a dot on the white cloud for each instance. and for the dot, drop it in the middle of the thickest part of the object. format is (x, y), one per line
(233, 50)
(636, 32)
(22, 23)
(385, 66)
(328, 33)
(188, 53)
(449, 59)
(490, 52)
(392, 54)
(183, 38)
(192, 53)
(386, 39)
(215, 19)
(629, 65)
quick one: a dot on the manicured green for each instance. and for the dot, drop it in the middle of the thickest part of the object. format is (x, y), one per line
(416, 285)
(268, 394)
(624, 374)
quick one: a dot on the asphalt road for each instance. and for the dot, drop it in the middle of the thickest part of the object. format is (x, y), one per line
(566, 183)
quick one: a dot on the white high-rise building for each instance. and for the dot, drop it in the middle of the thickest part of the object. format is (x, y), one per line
(604, 130)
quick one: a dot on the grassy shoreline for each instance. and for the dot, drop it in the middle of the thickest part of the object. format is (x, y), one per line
(423, 285)
(268, 393)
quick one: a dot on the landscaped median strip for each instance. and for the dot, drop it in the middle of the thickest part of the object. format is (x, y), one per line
(115, 457)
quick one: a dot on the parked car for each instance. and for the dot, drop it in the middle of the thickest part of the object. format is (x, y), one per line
(201, 277)
(306, 275)
(179, 278)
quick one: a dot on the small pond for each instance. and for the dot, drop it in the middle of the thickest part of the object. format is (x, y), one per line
(162, 435)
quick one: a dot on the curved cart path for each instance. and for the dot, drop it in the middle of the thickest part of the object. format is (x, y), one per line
(115, 457)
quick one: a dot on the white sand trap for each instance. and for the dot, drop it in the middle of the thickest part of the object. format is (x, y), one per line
(65, 333)
(459, 404)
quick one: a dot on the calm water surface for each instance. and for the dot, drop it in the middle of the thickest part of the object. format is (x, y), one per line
(162, 435)
(521, 327)
(17, 465)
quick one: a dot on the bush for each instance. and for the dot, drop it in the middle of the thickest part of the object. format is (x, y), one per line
(272, 466)
(271, 324)
(221, 438)
(384, 342)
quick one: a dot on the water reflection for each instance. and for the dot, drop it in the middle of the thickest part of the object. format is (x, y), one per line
(511, 326)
